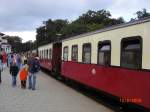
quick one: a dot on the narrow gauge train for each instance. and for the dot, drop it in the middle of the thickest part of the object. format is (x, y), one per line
(115, 60)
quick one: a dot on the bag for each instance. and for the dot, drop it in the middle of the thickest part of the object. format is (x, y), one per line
(36, 66)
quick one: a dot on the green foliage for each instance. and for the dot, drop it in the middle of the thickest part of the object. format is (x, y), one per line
(94, 26)
(29, 45)
(91, 17)
(141, 14)
(89, 21)
(49, 32)
(73, 29)
(15, 42)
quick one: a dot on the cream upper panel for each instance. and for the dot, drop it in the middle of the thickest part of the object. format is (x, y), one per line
(146, 47)
(115, 36)
(44, 48)
(48, 46)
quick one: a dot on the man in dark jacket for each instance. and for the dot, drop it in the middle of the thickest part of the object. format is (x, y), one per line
(33, 69)
(14, 71)
(1, 66)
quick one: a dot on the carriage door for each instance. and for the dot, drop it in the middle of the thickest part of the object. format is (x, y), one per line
(56, 57)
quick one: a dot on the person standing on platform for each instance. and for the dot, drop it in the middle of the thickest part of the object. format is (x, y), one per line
(14, 71)
(18, 59)
(23, 75)
(11, 59)
(33, 69)
(4, 58)
(1, 67)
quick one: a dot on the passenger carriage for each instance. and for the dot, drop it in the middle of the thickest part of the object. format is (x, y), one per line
(50, 56)
(114, 60)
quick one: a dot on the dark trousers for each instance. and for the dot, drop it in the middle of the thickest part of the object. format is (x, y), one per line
(23, 84)
(14, 81)
(0, 77)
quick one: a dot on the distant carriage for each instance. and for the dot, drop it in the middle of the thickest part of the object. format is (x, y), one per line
(114, 60)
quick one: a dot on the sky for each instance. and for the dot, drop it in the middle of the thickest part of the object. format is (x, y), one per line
(22, 17)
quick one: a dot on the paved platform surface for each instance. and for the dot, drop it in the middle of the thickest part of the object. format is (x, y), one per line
(49, 96)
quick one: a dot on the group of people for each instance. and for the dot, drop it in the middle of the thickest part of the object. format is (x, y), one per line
(23, 66)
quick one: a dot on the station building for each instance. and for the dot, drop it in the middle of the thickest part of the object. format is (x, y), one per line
(4, 43)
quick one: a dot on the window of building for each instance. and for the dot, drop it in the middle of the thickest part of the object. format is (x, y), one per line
(104, 53)
(131, 52)
(86, 53)
(65, 53)
(74, 53)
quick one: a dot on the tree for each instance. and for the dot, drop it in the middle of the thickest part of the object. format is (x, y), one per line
(91, 17)
(27, 46)
(89, 21)
(41, 35)
(101, 17)
(15, 42)
(73, 29)
(142, 14)
(48, 32)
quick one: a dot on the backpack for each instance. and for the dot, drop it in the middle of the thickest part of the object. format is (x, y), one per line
(36, 66)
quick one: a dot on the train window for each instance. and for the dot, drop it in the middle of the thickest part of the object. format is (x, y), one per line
(74, 53)
(42, 54)
(131, 52)
(47, 54)
(104, 53)
(86, 53)
(65, 53)
(50, 54)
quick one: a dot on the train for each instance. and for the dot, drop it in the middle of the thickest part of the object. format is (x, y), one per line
(114, 60)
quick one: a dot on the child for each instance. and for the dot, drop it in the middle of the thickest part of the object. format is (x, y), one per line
(14, 71)
(23, 75)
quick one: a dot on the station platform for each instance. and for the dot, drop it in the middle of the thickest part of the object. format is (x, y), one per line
(50, 96)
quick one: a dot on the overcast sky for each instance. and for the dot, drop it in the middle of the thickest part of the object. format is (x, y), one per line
(22, 17)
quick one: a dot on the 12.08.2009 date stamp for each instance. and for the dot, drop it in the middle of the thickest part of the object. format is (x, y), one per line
(130, 100)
